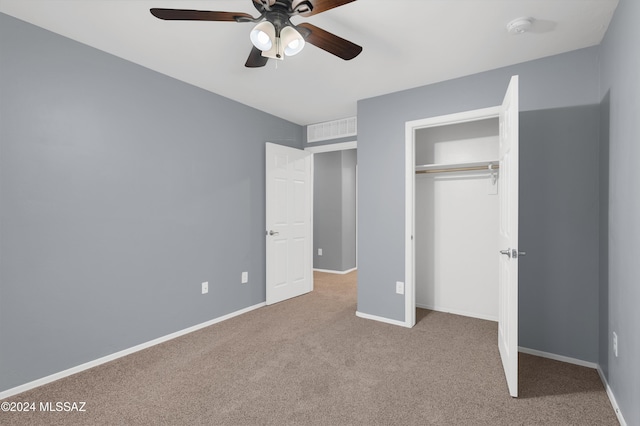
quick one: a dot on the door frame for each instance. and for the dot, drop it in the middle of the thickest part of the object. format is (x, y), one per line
(410, 165)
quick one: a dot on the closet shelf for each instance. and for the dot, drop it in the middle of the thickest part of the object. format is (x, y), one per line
(458, 167)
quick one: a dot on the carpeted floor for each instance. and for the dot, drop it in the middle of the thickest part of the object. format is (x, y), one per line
(311, 361)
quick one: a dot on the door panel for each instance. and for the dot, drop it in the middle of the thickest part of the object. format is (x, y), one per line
(288, 222)
(508, 257)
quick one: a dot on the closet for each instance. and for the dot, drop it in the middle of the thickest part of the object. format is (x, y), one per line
(456, 218)
(461, 222)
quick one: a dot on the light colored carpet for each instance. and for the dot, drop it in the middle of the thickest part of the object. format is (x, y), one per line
(311, 361)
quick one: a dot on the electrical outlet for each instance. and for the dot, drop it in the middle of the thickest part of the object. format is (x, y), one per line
(319, 252)
(399, 287)
(205, 287)
(615, 344)
(245, 277)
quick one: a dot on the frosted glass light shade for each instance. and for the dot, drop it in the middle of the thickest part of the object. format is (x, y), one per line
(263, 35)
(291, 40)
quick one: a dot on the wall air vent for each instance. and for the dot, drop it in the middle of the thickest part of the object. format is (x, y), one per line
(332, 129)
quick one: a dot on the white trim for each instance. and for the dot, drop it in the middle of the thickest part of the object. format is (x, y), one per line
(409, 226)
(381, 319)
(457, 312)
(409, 250)
(87, 365)
(612, 398)
(312, 187)
(556, 357)
(331, 271)
(333, 147)
(459, 117)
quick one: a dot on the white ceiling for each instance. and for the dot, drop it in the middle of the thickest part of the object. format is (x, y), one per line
(407, 43)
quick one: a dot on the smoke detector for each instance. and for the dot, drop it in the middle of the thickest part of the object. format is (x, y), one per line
(520, 25)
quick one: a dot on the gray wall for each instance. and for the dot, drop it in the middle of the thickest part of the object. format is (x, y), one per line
(334, 214)
(558, 298)
(121, 190)
(327, 210)
(620, 244)
(567, 289)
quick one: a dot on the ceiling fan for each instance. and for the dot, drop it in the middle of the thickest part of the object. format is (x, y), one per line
(275, 36)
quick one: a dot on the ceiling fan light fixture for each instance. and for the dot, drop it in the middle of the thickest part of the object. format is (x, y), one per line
(273, 34)
(292, 41)
(263, 35)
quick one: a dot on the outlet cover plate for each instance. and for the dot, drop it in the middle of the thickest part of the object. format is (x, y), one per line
(205, 287)
(245, 278)
(399, 287)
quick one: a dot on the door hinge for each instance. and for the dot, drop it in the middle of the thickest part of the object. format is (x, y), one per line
(516, 254)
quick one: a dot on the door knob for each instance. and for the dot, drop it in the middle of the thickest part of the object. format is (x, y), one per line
(513, 253)
(272, 232)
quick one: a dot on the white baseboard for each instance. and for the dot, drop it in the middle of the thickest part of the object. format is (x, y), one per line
(556, 357)
(330, 271)
(381, 319)
(612, 398)
(457, 312)
(87, 365)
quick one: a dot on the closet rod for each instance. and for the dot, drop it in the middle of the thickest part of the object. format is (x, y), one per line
(489, 168)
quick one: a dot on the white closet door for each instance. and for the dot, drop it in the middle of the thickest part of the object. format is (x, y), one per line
(508, 263)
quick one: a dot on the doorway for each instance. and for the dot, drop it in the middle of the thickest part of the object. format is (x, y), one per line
(335, 208)
(456, 218)
(451, 159)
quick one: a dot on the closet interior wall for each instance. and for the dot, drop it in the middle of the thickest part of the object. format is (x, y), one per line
(456, 220)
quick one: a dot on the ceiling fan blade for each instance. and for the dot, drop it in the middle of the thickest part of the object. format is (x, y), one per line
(255, 59)
(198, 15)
(329, 42)
(320, 6)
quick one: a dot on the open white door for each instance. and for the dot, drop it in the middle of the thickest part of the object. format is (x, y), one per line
(508, 263)
(288, 211)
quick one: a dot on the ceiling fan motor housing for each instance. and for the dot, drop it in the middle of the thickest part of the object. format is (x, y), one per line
(279, 20)
(287, 5)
